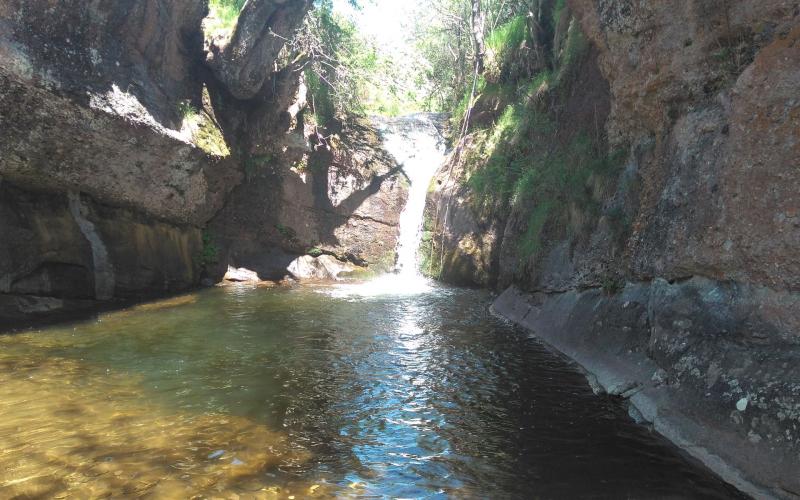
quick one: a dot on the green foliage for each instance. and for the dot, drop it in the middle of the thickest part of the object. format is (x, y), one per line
(210, 253)
(348, 73)
(503, 42)
(575, 49)
(186, 109)
(447, 52)
(222, 16)
(540, 82)
(558, 11)
(522, 161)
(430, 263)
(204, 132)
(508, 36)
(553, 175)
(504, 155)
(322, 104)
(530, 242)
(315, 252)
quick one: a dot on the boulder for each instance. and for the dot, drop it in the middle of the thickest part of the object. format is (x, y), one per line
(241, 275)
(324, 267)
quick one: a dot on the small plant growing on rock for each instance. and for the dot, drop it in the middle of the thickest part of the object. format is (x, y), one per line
(200, 128)
(210, 253)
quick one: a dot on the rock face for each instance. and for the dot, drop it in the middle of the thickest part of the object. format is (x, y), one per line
(244, 61)
(89, 102)
(105, 192)
(61, 251)
(343, 199)
(685, 282)
(103, 187)
(102, 197)
(146, 48)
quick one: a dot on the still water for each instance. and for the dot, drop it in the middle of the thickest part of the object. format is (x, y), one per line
(314, 392)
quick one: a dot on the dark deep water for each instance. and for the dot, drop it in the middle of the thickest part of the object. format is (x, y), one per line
(267, 393)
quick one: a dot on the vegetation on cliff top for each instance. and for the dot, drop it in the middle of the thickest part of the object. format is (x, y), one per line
(521, 155)
(348, 72)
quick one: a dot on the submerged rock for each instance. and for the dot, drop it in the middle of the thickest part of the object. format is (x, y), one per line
(741, 405)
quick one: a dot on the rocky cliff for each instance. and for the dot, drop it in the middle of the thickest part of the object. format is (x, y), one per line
(341, 197)
(651, 230)
(125, 132)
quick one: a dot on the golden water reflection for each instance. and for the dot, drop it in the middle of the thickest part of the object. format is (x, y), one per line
(67, 430)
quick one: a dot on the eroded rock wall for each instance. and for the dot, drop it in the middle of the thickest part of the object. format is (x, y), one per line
(62, 251)
(687, 262)
(341, 197)
(124, 133)
(103, 196)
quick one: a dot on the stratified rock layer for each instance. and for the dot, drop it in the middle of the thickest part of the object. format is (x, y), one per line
(102, 197)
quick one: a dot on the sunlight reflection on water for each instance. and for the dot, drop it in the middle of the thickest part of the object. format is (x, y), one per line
(253, 393)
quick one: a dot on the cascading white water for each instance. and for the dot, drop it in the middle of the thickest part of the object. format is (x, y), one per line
(417, 144)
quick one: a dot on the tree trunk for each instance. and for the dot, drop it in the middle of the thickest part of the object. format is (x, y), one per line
(478, 22)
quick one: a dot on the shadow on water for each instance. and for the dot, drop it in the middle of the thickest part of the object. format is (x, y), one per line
(304, 391)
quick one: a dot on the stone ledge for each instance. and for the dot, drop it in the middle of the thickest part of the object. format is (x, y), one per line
(616, 340)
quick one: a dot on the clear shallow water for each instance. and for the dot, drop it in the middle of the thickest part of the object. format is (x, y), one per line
(316, 392)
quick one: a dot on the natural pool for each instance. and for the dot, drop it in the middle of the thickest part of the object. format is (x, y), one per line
(317, 391)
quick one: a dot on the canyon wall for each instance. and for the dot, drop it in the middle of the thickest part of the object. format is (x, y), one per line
(102, 196)
(670, 269)
(140, 157)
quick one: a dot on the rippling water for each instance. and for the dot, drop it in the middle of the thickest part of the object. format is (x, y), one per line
(316, 392)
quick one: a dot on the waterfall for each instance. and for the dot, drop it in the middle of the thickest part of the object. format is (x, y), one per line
(417, 144)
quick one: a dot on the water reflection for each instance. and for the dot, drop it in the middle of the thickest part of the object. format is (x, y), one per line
(269, 393)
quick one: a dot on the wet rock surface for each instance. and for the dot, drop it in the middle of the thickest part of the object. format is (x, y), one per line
(729, 400)
(48, 264)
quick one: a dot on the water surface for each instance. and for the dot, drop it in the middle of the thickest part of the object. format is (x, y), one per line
(267, 393)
